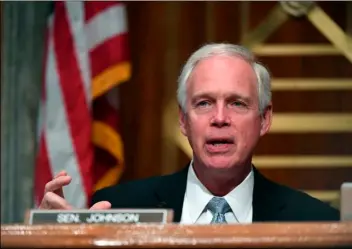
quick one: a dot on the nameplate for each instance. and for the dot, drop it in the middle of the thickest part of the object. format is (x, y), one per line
(111, 216)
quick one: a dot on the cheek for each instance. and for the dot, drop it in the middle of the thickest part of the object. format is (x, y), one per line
(196, 128)
(249, 129)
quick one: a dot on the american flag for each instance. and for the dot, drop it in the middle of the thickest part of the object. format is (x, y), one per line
(86, 58)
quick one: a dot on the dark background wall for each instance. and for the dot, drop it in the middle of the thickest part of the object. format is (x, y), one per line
(164, 34)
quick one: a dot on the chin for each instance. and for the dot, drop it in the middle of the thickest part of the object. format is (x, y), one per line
(219, 162)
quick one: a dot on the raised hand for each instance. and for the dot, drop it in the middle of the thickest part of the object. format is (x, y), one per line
(54, 196)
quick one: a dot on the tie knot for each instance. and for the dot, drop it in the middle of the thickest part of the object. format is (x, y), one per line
(218, 205)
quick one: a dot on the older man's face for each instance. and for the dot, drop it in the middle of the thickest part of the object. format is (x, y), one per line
(222, 120)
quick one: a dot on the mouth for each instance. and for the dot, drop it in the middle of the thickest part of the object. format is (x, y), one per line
(219, 145)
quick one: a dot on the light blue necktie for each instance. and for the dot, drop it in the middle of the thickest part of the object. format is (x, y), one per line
(218, 206)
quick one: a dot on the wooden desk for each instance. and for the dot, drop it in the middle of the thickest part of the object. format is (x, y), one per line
(258, 235)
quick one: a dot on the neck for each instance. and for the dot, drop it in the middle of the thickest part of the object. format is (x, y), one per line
(221, 181)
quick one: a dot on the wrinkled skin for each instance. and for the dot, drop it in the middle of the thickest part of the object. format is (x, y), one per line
(222, 121)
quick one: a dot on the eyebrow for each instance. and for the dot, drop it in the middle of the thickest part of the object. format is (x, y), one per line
(201, 96)
(228, 96)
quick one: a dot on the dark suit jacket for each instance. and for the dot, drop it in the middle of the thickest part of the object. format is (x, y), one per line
(271, 202)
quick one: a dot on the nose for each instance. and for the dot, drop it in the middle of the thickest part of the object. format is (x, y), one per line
(220, 117)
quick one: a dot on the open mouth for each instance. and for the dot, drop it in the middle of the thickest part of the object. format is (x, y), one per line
(219, 145)
(218, 142)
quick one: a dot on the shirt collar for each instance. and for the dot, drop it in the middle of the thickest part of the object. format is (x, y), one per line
(239, 199)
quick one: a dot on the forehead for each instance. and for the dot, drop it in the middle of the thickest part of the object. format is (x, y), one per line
(223, 74)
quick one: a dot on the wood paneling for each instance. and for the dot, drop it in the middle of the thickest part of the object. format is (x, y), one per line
(169, 235)
(298, 29)
(305, 144)
(331, 101)
(140, 98)
(336, 66)
(311, 179)
(162, 40)
(227, 21)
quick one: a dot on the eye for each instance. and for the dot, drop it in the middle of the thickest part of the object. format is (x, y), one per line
(203, 103)
(238, 103)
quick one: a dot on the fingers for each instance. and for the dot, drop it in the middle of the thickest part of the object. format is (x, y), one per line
(101, 205)
(59, 191)
(53, 195)
(57, 183)
(53, 201)
(61, 173)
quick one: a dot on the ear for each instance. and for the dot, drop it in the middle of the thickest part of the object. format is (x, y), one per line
(266, 119)
(182, 120)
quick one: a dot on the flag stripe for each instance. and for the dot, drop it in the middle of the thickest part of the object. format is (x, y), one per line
(110, 177)
(95, 8)
(105, 137)
(77, 110)
(105, 25)
(109, 163)
(109, 53)
(43, 173)
(113, 100)
(108, 139)
(110, 78)
(103, 106)
(59, 143)
(86, 58)
(75, 10)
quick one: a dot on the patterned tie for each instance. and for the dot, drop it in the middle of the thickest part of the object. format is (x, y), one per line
(218, 206)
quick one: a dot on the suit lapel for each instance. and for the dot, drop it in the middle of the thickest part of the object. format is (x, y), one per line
(170, 192)
(267, 201)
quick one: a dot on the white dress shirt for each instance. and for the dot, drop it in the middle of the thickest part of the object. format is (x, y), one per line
(197, 197)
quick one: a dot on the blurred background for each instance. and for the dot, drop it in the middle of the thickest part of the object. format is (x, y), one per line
(132, 88)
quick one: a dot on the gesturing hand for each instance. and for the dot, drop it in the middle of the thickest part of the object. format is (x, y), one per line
(54, 196)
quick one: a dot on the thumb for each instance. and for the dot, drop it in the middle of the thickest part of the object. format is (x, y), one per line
(101, 205)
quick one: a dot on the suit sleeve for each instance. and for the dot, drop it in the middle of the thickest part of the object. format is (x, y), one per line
(99, 195)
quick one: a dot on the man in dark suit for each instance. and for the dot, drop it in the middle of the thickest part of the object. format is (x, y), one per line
(225, 104)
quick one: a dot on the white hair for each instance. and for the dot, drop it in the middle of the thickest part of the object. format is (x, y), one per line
(263, 75)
